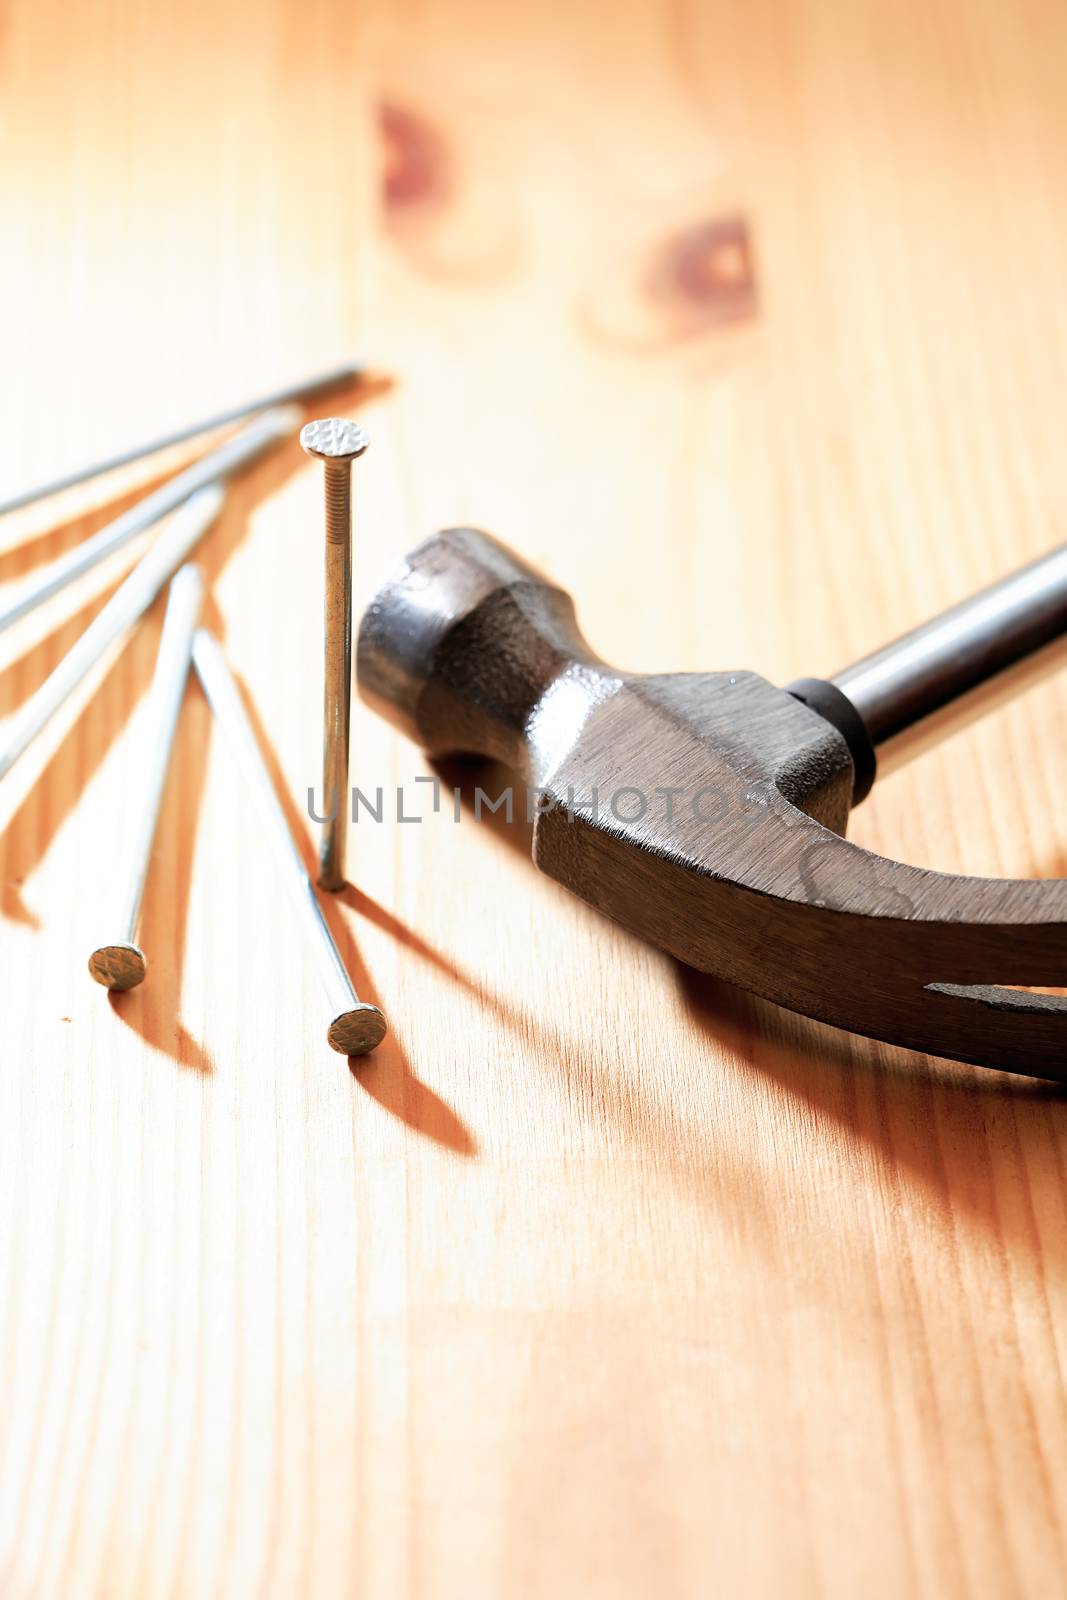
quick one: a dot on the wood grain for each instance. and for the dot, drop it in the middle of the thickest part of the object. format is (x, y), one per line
(747, 323)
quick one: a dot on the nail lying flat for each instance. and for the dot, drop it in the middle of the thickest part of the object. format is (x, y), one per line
(297, 394)
(122, 964)
(130, 600)
(357, 1026)
(212, 468)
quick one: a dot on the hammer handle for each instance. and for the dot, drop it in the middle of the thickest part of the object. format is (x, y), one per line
(962, 663)
(461, 646)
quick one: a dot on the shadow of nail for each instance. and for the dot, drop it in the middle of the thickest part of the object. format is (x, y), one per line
(47, 543)
(30, 831)
(153, 1008)
(388, 1079)
(386, 1073)
(151, 1011)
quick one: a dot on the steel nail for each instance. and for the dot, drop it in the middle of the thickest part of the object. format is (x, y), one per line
(122, 964)
(130, 600)
(336, 442)
(357, 1026)
(297, 393)
(212, 468)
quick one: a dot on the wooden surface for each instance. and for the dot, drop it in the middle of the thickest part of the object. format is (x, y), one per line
(747, 322)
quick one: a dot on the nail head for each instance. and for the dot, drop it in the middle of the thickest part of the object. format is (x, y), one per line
(334, 439)
(118, 966)
(355, 1032)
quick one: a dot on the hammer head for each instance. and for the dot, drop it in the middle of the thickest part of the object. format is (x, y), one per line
(706, 812)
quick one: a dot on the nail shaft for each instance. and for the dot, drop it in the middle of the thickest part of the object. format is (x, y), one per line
(297, 394)
(121, 964)
(337, 696)
(357, 1026)
(336, 442)
(130, 600)
(212, 468)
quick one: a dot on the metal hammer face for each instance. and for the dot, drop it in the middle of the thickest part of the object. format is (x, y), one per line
(706, 812)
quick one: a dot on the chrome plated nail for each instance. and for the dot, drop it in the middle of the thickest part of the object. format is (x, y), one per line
(130, 600)
(121, 964)
(357, 1026)
(212, 468)
(336, 442)
(297, 394)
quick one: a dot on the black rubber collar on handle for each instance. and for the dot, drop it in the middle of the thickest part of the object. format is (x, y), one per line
(835, 706)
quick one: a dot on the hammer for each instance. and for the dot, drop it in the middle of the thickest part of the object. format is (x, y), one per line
(706, 812)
